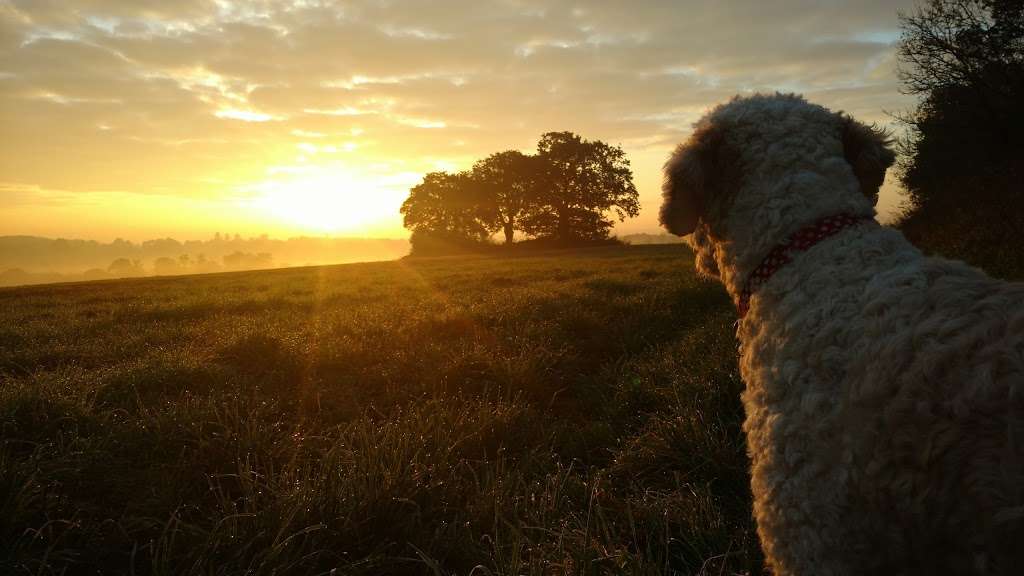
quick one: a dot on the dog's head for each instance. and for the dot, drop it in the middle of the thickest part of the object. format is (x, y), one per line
(761, 137)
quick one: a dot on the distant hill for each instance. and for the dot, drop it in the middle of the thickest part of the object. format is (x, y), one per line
(36, 260)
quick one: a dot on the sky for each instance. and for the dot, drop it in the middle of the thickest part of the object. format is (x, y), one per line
(148, 118)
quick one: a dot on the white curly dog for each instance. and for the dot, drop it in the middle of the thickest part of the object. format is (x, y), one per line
(884, 389)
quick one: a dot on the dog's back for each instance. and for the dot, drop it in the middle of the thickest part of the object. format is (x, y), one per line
(899, 380)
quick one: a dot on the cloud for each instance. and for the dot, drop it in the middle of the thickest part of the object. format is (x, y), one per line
(200, 97)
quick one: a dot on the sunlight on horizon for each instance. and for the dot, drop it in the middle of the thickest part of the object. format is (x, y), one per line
(330, 200)
(139, 121)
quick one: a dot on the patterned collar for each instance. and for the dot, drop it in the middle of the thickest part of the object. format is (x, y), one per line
(784, 253)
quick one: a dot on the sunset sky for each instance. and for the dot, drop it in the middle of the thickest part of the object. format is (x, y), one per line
(149, 118)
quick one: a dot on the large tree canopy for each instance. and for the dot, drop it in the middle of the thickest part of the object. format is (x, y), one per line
(582, 181)
(509, 182)
(566, 192)
(448, 205)
(962, 162)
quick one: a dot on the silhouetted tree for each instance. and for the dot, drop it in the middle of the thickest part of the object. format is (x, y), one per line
(204, 265)
(449, 208)
(564, 193)
(165, 266)
(508, 185)
(962, 161)
(971, 43)
(95, 274)
(581, 181)
(125, 267)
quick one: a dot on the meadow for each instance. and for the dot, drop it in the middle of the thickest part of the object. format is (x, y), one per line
(567, 412)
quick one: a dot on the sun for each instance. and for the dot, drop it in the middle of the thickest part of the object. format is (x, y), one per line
(330, 201)
(322, 204)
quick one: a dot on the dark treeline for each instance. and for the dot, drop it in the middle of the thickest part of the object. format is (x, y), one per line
(34, 260)
(963, 161)
(565, 194)
(645, 238)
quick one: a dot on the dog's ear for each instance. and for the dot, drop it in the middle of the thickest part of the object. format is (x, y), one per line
(704, 251)
(690, 180)
(867, 150)
(682, 191)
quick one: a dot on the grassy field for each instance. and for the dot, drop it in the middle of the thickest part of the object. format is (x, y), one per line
(572, 412)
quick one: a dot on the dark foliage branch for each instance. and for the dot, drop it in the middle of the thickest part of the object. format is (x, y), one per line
(962, 158)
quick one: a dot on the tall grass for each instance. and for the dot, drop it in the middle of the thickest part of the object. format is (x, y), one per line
(575, 412)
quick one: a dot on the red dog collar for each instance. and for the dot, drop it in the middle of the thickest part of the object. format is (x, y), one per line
(783, 254)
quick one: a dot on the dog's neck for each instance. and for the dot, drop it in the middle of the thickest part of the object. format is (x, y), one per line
(762, 219)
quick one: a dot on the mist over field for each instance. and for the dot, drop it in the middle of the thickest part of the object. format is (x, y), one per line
(27, 260)
(35, 260)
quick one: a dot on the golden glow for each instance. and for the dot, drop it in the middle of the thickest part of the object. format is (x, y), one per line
(149, 119)
(243, 115)
(327, 200)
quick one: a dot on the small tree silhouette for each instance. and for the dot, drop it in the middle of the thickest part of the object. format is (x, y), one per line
(123, 267)
(165, 266)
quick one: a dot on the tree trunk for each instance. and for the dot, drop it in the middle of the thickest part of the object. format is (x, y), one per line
(509, 232)
(563, 222)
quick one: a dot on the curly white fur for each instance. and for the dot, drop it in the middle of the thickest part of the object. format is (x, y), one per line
(884, 389)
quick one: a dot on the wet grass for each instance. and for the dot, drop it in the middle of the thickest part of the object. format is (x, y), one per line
(575, 412)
